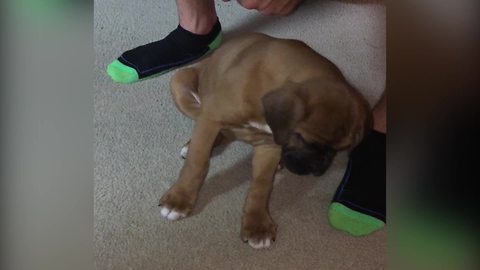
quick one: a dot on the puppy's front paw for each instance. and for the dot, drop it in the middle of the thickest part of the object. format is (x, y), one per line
(171, 214)
(176, 204)
(258, 229)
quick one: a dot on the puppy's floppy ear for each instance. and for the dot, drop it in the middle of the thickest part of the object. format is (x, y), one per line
(283, 109)
(361, 125)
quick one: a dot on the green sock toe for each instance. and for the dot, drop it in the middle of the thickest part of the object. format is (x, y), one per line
(216, 42)
(352, 222)
(121, 73)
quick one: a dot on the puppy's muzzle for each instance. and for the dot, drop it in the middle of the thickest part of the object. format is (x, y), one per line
(309, 160)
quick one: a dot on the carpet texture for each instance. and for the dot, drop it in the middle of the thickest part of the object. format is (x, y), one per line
(139, 134)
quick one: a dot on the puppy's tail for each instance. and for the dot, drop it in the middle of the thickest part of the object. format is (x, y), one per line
(184, 88)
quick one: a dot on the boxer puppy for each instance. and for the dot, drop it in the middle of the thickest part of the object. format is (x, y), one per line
(279, 95)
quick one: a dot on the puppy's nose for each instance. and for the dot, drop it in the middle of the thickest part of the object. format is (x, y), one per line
(319, 172)
(297, 169)
(296, 165)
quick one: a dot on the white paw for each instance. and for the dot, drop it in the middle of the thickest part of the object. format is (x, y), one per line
(171, 214)
(184, 151)
(265, 243)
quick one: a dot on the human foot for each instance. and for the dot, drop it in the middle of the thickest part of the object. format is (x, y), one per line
(178, 48)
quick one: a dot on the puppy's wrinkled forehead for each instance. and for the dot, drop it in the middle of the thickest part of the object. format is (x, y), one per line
(321, 112)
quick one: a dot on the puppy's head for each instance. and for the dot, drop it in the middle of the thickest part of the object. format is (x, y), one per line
(314, 120)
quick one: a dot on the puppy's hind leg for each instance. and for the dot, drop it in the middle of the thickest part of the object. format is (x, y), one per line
(218, 146)
(184, 89)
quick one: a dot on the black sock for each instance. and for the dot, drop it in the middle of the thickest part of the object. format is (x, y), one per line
(358, 206)
(178, 48)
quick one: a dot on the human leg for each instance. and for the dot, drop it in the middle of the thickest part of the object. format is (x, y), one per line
(198, 33)
(358, 206)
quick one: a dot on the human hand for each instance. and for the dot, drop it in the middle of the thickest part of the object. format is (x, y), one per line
(271, 7)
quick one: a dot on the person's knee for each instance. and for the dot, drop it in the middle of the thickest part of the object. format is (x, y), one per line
(250, 4)
(271, 7)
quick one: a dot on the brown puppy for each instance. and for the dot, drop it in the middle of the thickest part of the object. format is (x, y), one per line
(279, 95)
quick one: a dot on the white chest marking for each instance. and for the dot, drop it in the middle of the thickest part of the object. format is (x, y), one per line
(262, 127)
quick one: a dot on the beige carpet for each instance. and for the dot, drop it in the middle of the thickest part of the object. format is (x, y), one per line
(139, 134)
